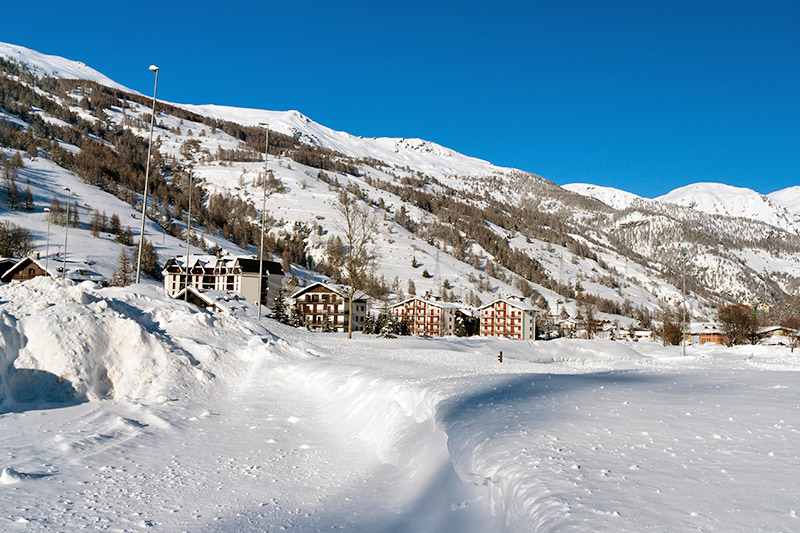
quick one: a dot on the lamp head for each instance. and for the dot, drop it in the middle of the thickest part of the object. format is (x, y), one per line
(153, 68)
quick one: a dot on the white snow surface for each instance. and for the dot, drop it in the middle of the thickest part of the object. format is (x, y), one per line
(425, 156)
(721, 199)
(123, 409)
(616, 198)
(789, 198)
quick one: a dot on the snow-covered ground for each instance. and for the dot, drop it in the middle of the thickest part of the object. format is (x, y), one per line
(122, 409)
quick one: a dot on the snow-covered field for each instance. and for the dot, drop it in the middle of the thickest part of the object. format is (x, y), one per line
(122, 409)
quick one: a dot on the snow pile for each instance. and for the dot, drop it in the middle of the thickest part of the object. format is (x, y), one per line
(66, 342)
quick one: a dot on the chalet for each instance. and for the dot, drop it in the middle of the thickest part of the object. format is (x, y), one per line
(327, 306)
(225, 273)
(777, 336)
(707, 332)
(427, 317)
(26, 269)
(6, 263)
(509, 318)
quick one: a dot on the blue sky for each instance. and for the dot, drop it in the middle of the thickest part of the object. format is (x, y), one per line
(643, 96)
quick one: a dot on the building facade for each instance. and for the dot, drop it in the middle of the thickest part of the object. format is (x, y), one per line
(427, 318)
(326, 307)
(226, 273)
(508, 318)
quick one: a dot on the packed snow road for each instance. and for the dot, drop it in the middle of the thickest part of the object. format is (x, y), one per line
(123, 410)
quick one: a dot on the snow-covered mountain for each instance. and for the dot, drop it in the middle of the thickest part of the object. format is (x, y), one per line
(616, 198)
(480, 228)
(721, 199)
(54, 66)
(788, 198)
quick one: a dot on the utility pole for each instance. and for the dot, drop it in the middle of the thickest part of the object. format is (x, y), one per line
(683, 307)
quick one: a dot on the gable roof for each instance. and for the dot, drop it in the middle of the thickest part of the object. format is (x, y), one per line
(434, 303)
(514, 303)
(246, 263)
(21, 264)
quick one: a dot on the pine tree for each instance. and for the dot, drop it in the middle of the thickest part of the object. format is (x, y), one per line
(412, 288)
(389, 327)
(122, 277)
(369, 325)
(115, 226)
(149, 258)
(279, 308)
(295, 317)
(126, 237)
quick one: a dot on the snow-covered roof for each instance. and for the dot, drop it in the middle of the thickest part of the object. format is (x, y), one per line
(512, 302)
(340, 289)
(248, 263)
(434, 303)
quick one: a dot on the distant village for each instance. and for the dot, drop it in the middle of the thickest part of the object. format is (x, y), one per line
(230, 284)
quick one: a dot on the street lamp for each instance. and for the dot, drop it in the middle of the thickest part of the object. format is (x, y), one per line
(683, 307)
(66, 232)
(188, 235)
(263, 211)
(153, 68)
(47, 247)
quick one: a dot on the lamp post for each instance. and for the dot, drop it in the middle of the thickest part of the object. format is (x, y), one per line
(66, 233)
(263, 211)
(153, 68)
(188, 236)
(683, 307)
(47, 246)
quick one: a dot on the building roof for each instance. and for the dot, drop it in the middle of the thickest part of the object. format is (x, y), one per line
(229, 301)
(9, 273)
(246, 263)
(434, 303)
(341, 290)
(514, 303)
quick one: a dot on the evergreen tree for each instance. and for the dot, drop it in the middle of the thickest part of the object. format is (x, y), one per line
(426, 274)
(122, 277)
(126, 237)
(388, 328)
(369, 325)
(73, 217)
(414, 263)
(149, 258)
(114, 226)
(279, 308)
(295, 317)
(412, 288)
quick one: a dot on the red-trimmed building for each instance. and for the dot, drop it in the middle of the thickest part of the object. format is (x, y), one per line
(508, 318)
(428, 318)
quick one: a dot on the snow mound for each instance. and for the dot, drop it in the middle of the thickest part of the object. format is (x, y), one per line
(582, 352)
(65, 342)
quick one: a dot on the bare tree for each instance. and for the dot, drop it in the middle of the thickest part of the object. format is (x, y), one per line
(358, 225)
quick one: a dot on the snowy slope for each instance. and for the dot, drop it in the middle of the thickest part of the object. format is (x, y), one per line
(788, 198)
(616, 198)
(721, 199)
(55, 66)
(426, 156)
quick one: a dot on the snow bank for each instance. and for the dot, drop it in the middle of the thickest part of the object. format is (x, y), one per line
(65, 342)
